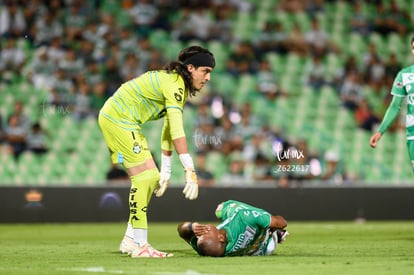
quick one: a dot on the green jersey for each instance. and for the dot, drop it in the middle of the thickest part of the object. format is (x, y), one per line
(246, 227)
(404, 87)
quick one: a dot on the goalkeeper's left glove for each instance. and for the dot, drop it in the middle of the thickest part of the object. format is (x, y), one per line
(191, 186)
(165, 175)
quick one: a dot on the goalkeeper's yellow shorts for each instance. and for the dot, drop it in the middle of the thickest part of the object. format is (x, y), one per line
(127, 147)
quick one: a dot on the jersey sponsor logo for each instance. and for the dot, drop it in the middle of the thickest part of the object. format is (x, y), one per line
(407, 78)
(244, 239)
(133, 205)
(410, 99)
(409, 121)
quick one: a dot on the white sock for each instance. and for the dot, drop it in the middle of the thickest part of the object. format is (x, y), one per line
(129, 231)
(140, 236)
(271, 246)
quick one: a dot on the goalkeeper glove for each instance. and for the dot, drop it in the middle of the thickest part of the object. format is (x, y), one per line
(165, 175)
(191, 186)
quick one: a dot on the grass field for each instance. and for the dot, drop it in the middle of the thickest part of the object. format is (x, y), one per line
(311, 248)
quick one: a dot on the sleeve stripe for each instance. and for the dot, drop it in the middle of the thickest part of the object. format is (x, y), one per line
(153, 82)
(138, 93)
(174, 107)
(123, 103)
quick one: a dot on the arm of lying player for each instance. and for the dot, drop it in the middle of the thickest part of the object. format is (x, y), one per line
(189, 230)
(277, 222)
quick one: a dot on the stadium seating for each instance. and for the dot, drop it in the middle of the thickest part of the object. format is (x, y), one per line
(78, 154)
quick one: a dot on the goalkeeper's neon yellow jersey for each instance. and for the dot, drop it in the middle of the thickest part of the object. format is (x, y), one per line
(148, 97)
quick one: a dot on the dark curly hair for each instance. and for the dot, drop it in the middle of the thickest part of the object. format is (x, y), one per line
(180, 68)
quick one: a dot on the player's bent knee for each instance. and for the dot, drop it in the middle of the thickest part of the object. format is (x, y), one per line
(151, 176)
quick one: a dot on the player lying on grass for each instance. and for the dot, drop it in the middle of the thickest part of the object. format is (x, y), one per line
(244, 231)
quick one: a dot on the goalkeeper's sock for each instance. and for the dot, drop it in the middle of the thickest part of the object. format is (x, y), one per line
(129, 231)
(140, 236)
(142, 188)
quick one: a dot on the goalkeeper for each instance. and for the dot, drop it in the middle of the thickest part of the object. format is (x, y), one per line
(152, 96)
(401, 91)
(244, 231)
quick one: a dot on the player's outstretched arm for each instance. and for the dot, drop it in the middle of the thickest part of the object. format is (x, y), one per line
(277, 222)
(390, 115)
(373, 141)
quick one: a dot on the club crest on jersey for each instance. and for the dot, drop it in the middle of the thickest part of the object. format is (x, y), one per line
(398, 84)
(136, 148)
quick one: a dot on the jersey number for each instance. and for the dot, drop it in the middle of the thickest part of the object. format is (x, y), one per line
(179, 95)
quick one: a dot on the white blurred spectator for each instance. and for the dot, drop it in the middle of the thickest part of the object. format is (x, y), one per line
(40, 71)
(267, 83)
(319, 40)
(235, 175)
(316, 73)
(358, 21)
(15, 135)
(23, 119)
(12, 59)
(55, 50)
(82, 102)
(201, 23)
(351, 91)
(131, 67)
(12, 20)
(222, 27)
(143, 14)
(71, 64)
(47, 27)
(37, 139)
(61, 89)
(74, 20)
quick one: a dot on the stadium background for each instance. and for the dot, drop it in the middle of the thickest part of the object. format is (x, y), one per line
(77, 155)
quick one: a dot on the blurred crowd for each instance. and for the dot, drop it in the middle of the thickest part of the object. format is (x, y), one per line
(81, 51)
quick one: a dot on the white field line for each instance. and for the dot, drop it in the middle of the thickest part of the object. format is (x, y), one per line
(94, 269)
(187, 272)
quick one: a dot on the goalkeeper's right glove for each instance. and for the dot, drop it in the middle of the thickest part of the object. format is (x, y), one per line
(191, 186)
(165, 175)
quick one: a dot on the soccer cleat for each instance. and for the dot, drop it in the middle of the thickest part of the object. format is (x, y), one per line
(281, 235)
(127, 245)
(147, 251)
